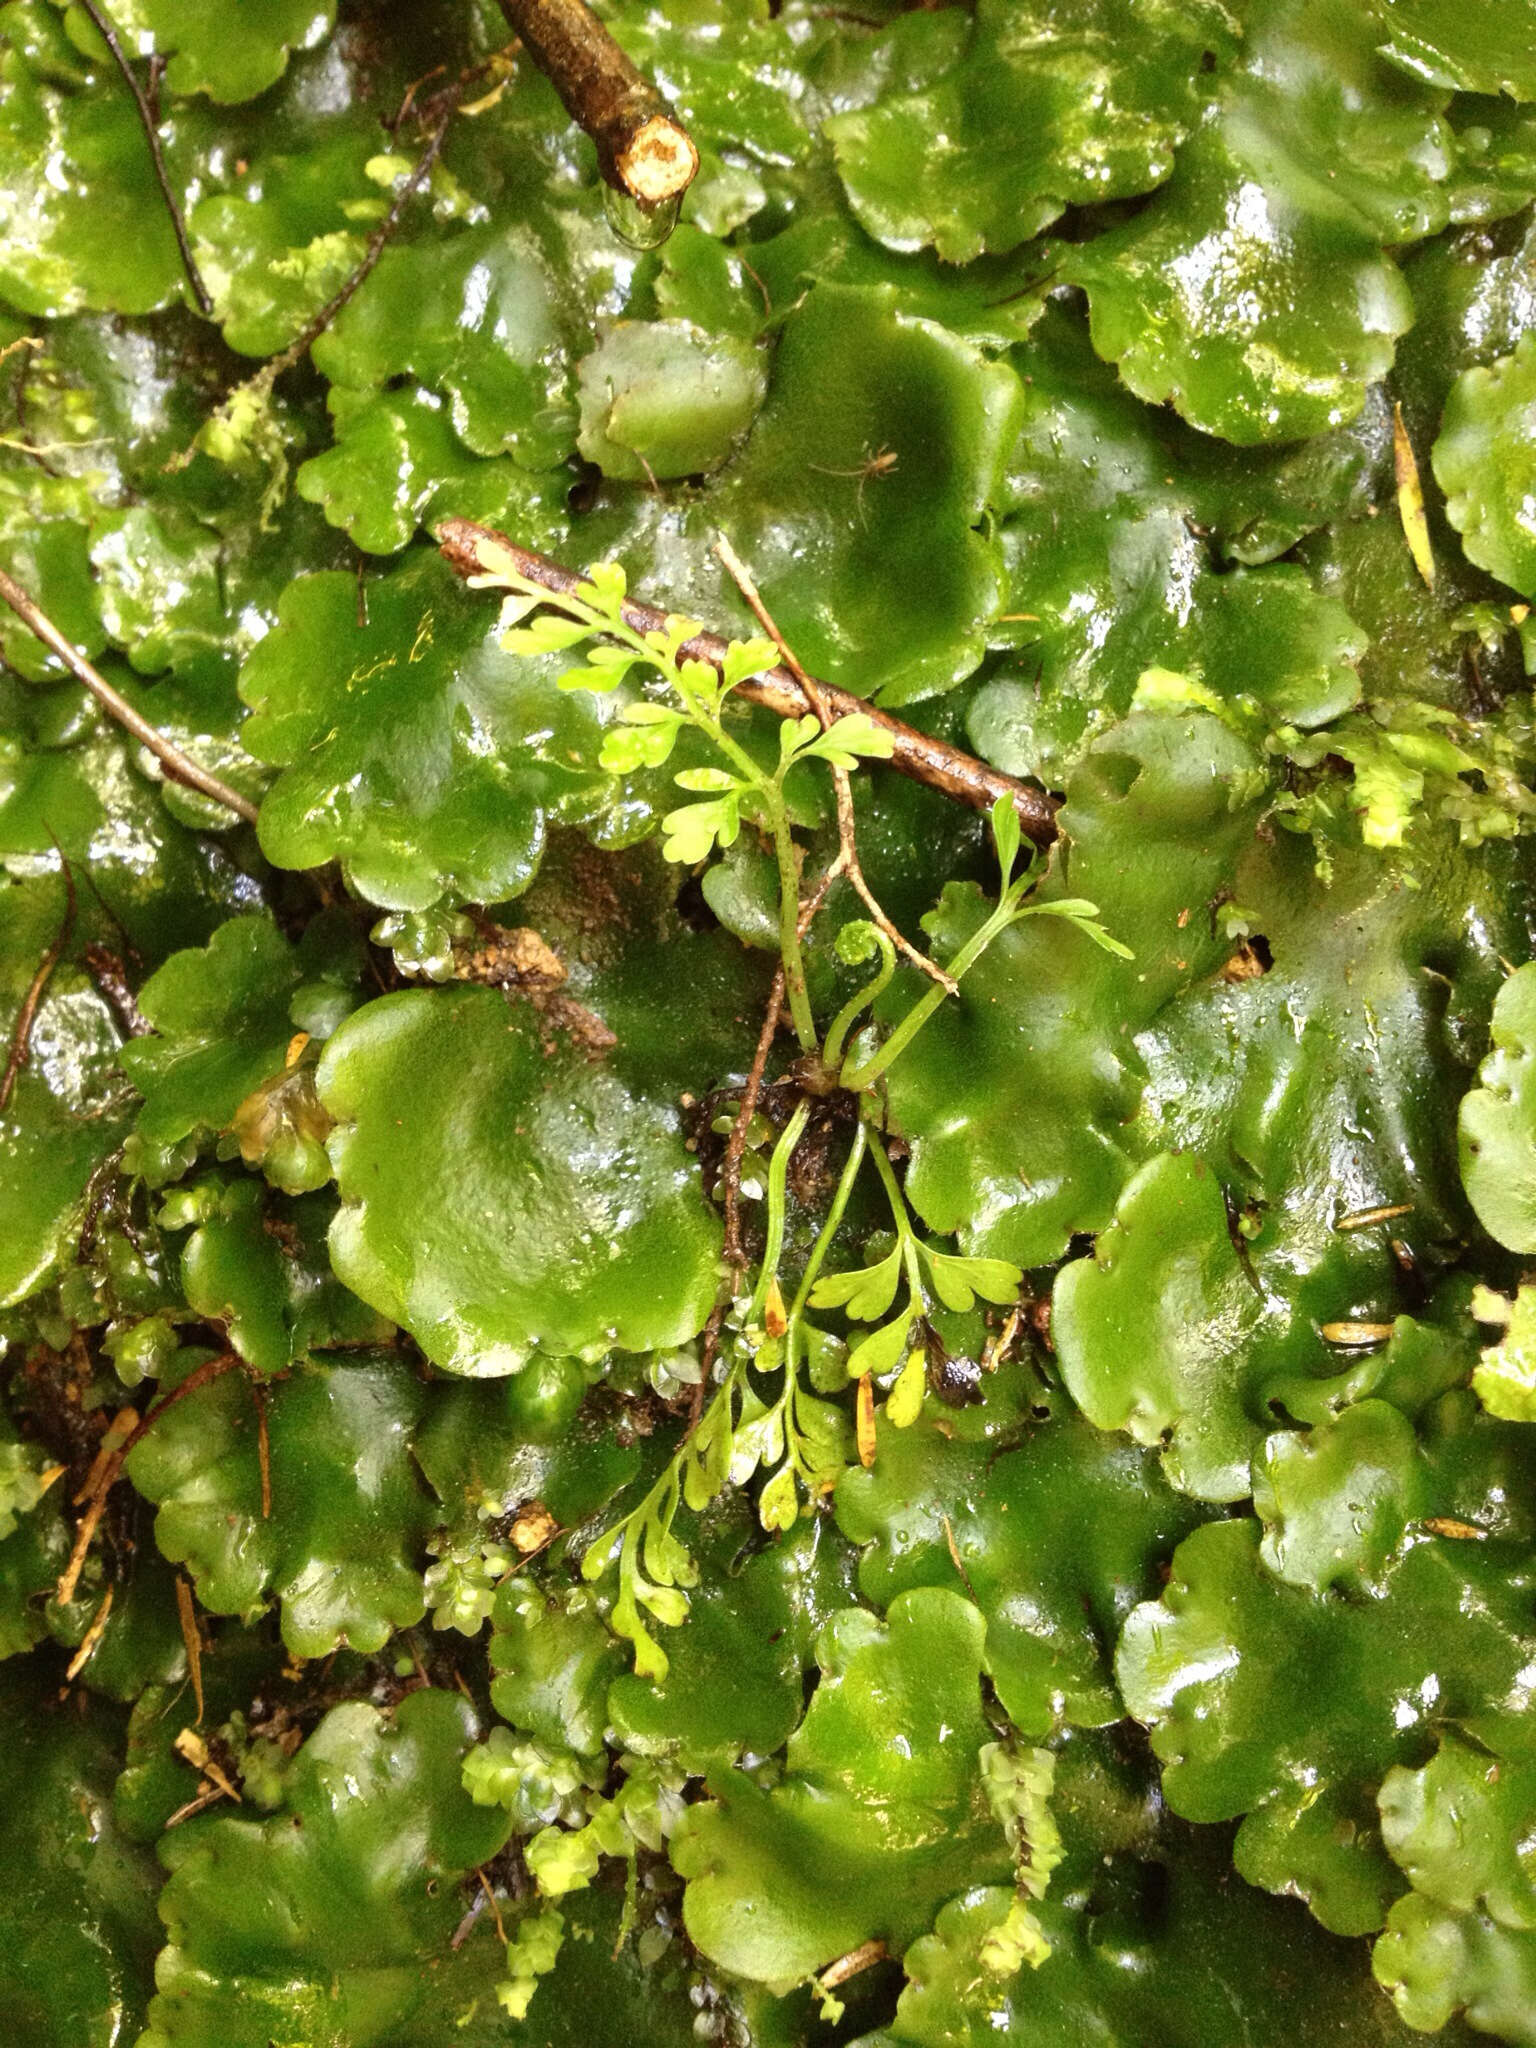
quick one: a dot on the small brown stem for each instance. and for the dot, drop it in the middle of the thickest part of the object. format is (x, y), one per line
(917, 755)
(643, 150)
(151, 126)
(846, 831)
(110, 1472)
(263, 1448)
(730, 1172)
(21, 1036)
(736, 1144)
(186, 1613)
(175, 763)
(91, 1638)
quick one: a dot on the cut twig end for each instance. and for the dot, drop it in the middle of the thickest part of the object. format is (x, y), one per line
(659, 162)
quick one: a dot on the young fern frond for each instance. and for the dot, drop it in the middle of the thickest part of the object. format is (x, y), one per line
(800, 1441)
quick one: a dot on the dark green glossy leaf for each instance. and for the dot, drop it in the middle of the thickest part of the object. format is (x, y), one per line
(1485, 461)
(222, 1027)
(1291, 1707)
(77, 1926)
(1165, 1333)
(543, 1204)
(1253, 292)
(397, 466)
(262, 1270)
(734, 1681)
(233, 58)
(328, 1916)
(882, 1813)
(903, 583)
(413, 748)
(1181, 1957)
(1460, 1828)
(1052, 1609)
(1483, 47)
(1498, 1121)
(1437, 1963)
(1044, 111)
(342, 1546)
(1018, 1130)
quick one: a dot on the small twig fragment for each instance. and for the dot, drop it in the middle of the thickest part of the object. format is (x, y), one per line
(116, 1433)
(957, 1561)
(1356, 1336)
(917, 755)
(864, 1957)
(186, 1613)
(643, 150)
(1363, 1219)
(176, 764)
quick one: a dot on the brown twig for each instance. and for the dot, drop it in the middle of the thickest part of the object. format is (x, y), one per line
(21, 1036)
(917, 755)
(643, 150)
(150, 124)
(848, 855)
(107, 1478)
(175, 763)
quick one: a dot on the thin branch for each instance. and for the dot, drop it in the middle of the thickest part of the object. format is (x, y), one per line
(742, 578)
(107, 1478)
(917, 755)
(151, 129)
(378, 242)
(176, 764)
(643, 150)
(21, 1037)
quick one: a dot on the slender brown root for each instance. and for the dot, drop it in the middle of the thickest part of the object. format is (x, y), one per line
(151, 127)
(643, 150)
(917, 755)
(21, 1036)
(490, 1900)
(742, 578)
(175, 763)
(107, 1478)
